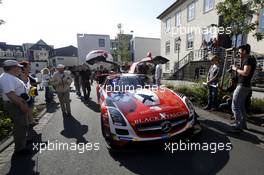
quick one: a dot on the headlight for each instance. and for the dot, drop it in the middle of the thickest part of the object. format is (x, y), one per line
(116, 117)
(189, 106)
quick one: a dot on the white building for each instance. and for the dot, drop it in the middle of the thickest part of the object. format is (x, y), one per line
(37, 54)
(8, 51)
(142, 45)
(183, 28)
(67, 56)
(89, 42)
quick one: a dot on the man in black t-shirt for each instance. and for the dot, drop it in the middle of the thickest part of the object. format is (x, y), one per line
(245, 74)
(85, 74)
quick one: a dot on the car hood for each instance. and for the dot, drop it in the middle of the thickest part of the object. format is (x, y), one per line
(140, 105)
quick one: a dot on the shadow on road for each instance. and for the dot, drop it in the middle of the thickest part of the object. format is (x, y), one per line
(74, 129)
(154, 159)
(24, 164)
(52, 107)
(92, 105)
(245, 136)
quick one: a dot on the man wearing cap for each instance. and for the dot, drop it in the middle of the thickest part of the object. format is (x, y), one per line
(62, 80)
(13, 90)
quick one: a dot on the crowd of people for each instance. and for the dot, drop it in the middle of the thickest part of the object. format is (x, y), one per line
(239, 87)
(19, 89)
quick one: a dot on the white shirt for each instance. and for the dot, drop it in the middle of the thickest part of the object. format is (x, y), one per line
(158, 72)
(45, 79)
(39, 77)
(27, 85)
(9, 83)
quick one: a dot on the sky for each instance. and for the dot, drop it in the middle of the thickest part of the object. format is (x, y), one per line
(57, 22)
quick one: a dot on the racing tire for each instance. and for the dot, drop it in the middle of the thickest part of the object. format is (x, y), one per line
(110, 144)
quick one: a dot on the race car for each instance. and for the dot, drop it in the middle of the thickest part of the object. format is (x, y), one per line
(133, 109)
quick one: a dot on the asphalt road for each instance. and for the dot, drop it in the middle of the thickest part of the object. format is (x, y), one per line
(245, 157)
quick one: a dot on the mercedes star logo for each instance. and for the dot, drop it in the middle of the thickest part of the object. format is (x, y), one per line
(166, 126)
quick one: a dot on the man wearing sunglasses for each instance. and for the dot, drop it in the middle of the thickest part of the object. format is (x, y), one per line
(245, 74)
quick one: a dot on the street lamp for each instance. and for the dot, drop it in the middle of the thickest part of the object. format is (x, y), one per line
(178, 64)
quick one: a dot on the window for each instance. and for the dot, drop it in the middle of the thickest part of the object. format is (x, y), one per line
(207, 34)
(101, 42)
(261, 21)
(167, 47)
(167, 66)
(177, 45)
(190, 41)
(168, 25)
(202, 71)
(190, 11)
(178, 19)
(208, 5)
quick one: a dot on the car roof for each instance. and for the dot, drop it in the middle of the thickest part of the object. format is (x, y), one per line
(123, 75)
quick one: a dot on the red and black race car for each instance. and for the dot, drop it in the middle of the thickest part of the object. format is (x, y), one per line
(132, 110)
(135, 110)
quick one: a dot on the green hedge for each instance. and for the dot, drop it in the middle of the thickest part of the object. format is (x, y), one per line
(5, 122)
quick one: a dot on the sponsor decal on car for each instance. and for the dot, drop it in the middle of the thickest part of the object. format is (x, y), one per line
(161, 116)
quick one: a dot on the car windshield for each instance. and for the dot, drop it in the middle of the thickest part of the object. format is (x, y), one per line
(125, 83)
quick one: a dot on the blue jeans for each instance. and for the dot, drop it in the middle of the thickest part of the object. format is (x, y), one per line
(238, 105)
(212, 97)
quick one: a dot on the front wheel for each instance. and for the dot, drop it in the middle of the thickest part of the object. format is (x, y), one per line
(110, 143)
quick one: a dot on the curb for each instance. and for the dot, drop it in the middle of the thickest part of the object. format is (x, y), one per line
(10, 138)
(258, 89)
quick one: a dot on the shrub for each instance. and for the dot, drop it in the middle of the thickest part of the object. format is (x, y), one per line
(5, 122)
(196, 93)
(257, 105)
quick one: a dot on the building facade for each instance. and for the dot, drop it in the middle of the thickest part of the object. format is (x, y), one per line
(37, 54)
(89, 42)
(67, 56)
(140, 46)
(187, 23)
(8, 51)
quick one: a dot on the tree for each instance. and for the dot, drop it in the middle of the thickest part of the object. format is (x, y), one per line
(122, 44)
(1, 21)
(238, 16)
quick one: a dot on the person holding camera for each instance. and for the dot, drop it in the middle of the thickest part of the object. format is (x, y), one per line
(13, 90)
(243, 89)
(30, 84)
(62, 80)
